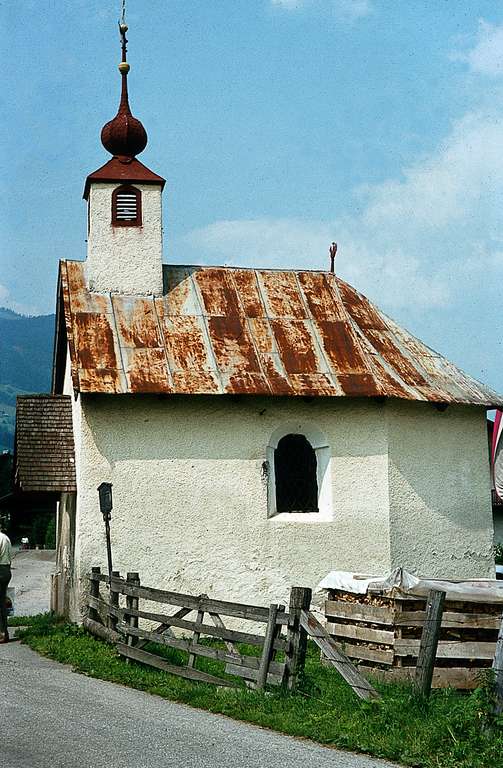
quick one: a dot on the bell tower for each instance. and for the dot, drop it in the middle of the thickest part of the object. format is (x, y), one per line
(124, 244)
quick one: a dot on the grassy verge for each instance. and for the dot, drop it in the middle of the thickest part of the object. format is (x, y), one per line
(24, 621)
(446, 732)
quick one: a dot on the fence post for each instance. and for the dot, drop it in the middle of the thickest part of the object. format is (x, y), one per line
(94, 591)
(195, 635)
(267, 650)
(133, 580)
(429, 641)
(498, 672)
(114, 602)
(300, 600)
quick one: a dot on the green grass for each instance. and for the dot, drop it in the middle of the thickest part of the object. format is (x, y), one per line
(446, 732)
(24, 621)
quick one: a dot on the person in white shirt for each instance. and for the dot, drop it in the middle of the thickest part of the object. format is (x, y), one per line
(5, 577)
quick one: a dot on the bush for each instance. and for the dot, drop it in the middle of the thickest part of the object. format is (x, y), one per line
(50, 534)
(498, 553)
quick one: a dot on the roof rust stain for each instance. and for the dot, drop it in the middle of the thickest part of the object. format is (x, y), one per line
(82, 300)
(320, 296)
(247, 287)
(106, 380)
(384, 344)
(232, 345)
(295, 345)
(283, 297)
(342, 347)
(360, 308)
(137, 322)
(147, 370)
(94, 340)
(222, 330)
(218, 293)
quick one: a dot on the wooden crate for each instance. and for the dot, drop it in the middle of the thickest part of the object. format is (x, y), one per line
(383, 633)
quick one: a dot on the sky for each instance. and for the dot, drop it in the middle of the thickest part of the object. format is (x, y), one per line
(280, 125)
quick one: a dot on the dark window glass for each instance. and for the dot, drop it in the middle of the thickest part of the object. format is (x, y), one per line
(295, 473)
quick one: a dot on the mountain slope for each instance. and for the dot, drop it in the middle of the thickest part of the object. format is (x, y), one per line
(25, 363)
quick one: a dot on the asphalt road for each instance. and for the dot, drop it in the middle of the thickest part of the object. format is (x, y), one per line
(51, 717)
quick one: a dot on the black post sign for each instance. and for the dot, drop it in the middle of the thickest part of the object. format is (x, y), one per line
(105, 494)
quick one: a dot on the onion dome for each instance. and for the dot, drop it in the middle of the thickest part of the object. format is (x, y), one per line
(124, 136)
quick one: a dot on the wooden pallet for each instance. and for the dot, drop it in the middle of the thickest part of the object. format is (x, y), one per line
(383, 634)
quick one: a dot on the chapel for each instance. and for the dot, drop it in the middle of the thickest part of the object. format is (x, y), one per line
(259, 427)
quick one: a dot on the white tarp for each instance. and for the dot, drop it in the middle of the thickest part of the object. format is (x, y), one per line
(402, 582)
(497, 454)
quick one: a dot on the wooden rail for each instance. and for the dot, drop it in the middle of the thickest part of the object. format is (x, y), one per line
(335, 656)
(130, 618)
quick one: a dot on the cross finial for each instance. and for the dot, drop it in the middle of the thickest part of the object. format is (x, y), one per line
(332, 253)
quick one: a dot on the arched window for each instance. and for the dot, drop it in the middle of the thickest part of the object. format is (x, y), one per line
(295, 472)
(126, 206)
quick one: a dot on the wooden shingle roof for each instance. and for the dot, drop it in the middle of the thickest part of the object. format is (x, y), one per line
(44, 458)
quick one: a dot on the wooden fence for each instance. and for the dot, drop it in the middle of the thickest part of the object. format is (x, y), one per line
(119, 617)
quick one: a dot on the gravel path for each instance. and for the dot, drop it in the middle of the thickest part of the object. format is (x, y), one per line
(53, 718)
(31, 577)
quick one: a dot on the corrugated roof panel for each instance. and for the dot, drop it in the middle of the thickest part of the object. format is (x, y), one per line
(146, 370)
(181, 297)
(136, 322)
(232, 346)
(221, 330)
(296, 346)
(94, 340)
(320, 296)
(218, 293)
(281, 294)
(249, 293)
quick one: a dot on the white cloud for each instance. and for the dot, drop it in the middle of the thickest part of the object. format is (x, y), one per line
(289, 5)
(421, 241)
(7, 302)
(350, 10)
(486, 57)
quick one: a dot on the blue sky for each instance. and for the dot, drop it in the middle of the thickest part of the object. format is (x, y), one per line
(279, 126)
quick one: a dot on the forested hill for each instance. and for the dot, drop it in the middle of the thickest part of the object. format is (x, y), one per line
(25, 363)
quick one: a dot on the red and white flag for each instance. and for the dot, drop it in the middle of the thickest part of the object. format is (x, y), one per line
(497, 454)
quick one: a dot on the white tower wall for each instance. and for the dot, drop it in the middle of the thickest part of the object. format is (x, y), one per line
(124, 259)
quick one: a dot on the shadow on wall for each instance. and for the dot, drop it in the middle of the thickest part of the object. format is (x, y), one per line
(442, 463)
(145, 427)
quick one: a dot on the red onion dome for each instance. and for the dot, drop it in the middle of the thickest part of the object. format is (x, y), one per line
(124, 136)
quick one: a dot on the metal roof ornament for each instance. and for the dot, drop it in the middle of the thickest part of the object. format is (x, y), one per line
(332, 251)
(124, 136)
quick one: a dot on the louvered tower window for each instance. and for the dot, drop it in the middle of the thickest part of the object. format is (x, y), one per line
(126, 207)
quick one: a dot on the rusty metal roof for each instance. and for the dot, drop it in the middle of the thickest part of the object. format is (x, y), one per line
(116, 170)
(44, 455)
(224, 330)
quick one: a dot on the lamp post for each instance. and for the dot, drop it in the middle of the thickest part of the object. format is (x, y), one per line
(105, 494)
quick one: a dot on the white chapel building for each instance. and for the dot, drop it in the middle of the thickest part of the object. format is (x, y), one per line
(260, 427)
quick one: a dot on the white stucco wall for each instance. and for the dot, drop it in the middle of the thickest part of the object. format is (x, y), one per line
(125, 259)
(440, 497)
(190, 497)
